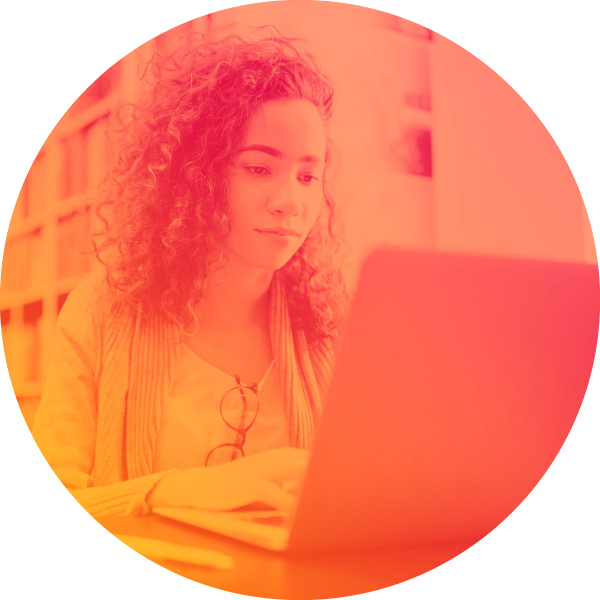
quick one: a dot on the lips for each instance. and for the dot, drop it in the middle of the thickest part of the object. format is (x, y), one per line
(283, 231)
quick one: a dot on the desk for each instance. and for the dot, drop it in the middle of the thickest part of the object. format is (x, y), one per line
(266, 574)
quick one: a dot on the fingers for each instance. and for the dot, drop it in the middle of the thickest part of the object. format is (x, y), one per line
(272, 477)
(282, 464)
(273, 495)
(291, 486)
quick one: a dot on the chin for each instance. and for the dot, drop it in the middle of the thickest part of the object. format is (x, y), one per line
(275, 263)
(267, 258)
(272, 262)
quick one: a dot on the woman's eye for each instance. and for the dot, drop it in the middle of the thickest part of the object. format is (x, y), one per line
(307, 178)
(257, 170)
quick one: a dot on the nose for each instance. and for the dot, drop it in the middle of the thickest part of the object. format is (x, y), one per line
(286, 199)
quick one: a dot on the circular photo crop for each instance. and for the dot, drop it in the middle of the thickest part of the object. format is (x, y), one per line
(299, 300)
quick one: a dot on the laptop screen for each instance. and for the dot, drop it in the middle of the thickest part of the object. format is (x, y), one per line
(457, 383)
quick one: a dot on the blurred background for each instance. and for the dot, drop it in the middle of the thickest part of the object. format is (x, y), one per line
(434, 151)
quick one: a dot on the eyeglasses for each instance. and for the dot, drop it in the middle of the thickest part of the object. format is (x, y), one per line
(240, 399)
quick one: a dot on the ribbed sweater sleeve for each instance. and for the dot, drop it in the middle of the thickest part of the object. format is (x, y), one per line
(123, 498)
(65, 426)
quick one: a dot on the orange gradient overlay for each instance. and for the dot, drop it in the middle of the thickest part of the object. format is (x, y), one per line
(182, 266)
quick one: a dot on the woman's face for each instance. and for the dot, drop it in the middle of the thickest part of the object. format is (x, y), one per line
(276, 183)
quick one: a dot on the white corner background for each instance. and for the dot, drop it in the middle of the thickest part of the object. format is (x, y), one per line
(547, 51)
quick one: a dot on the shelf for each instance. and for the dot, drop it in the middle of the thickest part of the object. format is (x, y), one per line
(24, 226)
(88, 116)
(74, 203)
(28, 389)
(20, 298)
(76, 145)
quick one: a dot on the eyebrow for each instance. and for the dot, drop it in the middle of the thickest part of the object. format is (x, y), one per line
(277, 153)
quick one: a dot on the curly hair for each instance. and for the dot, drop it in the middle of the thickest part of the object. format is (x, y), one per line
(167, 191)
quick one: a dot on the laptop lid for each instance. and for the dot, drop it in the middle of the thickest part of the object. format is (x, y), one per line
(457, 383)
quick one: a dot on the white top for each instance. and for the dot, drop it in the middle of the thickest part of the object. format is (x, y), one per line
(192, 425)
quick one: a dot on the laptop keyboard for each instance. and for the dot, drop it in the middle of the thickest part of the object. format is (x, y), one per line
(278, 521)
(276, 518)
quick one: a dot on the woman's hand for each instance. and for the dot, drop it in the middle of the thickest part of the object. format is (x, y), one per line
(266, 477)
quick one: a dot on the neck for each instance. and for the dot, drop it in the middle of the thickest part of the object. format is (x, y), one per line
(235, 293)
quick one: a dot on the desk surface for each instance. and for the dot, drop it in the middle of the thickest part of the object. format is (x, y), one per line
(268, 574)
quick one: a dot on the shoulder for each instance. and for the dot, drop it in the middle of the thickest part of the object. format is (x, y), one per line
(86, 311)
(91, 296)
(93, 315)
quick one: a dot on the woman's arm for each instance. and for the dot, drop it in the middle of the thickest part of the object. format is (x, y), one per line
(65, 429)
(65, 425)
(267, 477)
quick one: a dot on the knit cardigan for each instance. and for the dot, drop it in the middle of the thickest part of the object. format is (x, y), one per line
(109, 379)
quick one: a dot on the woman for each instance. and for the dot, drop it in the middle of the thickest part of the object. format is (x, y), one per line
(193, 372)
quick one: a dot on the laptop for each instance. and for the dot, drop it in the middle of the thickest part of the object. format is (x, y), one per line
(457, 382)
